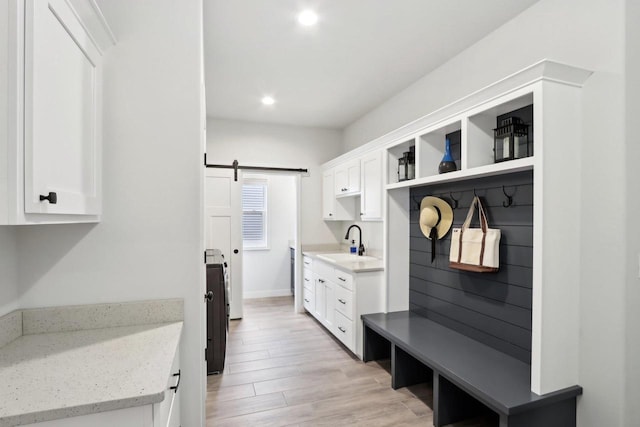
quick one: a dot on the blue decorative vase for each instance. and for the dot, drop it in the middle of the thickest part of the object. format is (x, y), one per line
(447, 164)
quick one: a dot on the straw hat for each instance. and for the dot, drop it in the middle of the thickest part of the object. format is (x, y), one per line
(435, 212)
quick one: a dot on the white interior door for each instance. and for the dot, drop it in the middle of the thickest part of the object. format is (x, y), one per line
(223, 227)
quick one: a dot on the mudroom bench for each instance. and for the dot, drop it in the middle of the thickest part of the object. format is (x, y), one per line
(468, 376)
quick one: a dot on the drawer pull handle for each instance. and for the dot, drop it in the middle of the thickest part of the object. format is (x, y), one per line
(306, 300)
(342, 301)
(175, 387)
(340, 278)
(307, 263)
(320, 280)
(306, 280)
(343, 330)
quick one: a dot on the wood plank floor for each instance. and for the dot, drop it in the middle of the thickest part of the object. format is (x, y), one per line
(284, 369)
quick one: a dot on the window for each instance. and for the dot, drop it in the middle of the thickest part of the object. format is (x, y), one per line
(254, 214)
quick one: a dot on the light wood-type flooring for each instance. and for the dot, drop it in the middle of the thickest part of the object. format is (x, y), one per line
(284, 369)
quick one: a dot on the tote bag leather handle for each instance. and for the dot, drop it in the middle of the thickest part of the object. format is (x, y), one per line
(484, 224)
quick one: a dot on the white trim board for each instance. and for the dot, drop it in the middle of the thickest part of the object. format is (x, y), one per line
(286, 292)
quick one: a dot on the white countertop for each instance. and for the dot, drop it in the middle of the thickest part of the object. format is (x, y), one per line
(63, 374)
(353, 266)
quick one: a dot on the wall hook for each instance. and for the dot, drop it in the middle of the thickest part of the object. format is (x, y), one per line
(474, 193)
(509, 200)
(416, 202)
(455, 201)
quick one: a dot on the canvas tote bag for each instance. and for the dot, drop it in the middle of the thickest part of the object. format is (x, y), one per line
(475, 249)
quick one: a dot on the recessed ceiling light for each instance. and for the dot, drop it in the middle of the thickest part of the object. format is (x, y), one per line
(268, 100)
(307, 18)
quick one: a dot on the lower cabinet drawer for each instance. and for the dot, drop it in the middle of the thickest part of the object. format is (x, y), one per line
(344, 330)
(307, 279)
(308, 300)
(343, 279)
(344, 301)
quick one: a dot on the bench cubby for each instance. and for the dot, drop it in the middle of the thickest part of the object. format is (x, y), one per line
(468, 376)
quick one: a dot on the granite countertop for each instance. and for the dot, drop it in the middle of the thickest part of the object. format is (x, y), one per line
(53, 375)
(352, 266)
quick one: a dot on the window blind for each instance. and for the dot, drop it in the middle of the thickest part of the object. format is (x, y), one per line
(254, 213)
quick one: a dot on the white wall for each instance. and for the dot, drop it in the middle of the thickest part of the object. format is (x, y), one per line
(281, 146)
(8, 271)
(372, 236)
(583, 33)
(266, 272)
(588, 34)
(149, 243)
(632, 389)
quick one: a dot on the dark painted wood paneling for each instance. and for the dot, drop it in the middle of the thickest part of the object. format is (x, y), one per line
(494, 308)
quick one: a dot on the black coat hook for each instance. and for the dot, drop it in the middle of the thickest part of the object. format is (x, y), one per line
(455, 201)
(416, 202)
(509, 200)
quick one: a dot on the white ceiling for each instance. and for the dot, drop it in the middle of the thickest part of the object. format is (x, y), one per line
(359, 54)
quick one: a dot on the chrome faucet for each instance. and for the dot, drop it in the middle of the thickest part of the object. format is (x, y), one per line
(361, 246)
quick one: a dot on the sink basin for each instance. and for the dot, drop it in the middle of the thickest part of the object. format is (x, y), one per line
(344, 257)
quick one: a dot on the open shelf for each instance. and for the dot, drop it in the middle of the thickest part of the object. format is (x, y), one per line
(431, 147)
(477, 172)
(471, 134)
(480, 126)
(395, 153)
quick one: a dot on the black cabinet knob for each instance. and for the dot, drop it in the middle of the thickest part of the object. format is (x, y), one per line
(52, 198)
(208, 296)
(235, 251)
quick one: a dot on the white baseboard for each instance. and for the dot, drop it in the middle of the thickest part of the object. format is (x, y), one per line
(266, 294)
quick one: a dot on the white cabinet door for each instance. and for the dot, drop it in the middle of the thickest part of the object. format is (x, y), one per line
(329, 305)
(333, 208)
(320, 299)
(328, 195)
(347, 178)
(353, 176)
(341, 180)
(371, 198)
(62, 112)
(167, 412)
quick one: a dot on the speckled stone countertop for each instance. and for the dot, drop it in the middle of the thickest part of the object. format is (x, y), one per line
(354, 266)
(61, 374)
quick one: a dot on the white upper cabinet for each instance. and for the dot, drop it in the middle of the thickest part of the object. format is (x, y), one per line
(55, 135)
(333, 208)
(371, 198)
(62, 106)
(347, 178)
(328, 197)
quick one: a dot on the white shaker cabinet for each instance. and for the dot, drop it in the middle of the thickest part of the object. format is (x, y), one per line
(341, 297)
(54, 115)
(333, 208)
(347, 178)
(371, 198)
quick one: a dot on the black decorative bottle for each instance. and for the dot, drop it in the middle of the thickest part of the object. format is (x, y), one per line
(447, 164)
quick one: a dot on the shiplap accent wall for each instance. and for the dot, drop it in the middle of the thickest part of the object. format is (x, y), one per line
(493, 308)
